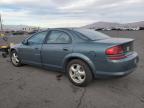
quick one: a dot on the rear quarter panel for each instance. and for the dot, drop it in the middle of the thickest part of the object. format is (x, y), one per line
(91, 52)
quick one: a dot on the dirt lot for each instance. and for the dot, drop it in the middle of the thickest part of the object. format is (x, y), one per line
(32, 87)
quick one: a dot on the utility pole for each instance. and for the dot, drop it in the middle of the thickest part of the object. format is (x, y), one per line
(1, 29)
(1, 26)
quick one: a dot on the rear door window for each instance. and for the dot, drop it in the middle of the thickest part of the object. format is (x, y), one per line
(58, 37)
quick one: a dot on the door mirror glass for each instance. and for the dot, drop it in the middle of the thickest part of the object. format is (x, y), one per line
(25, 42)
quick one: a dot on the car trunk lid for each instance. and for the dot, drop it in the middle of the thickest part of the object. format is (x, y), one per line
(117, 48)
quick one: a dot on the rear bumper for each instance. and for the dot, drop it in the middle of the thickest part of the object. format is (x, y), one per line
(114, 74)
(118, 67)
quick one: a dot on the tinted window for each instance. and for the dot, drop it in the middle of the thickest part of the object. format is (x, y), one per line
(58, 37)
(91, 34)
(37, 38)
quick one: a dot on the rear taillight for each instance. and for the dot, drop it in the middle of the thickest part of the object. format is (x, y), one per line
(115, 53)
(114, 50)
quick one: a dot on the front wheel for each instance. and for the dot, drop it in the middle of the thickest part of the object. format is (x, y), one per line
(79, 73)
(15, 59)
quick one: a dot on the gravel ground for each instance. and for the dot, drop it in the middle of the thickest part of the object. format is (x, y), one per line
(32, 87)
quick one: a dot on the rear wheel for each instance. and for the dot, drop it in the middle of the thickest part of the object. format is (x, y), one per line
(79, 73)
(15, 59)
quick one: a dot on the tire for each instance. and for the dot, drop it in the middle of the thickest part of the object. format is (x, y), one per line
(15, 59)
(79, 73)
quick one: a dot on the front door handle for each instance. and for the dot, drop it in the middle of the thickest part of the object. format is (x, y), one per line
(36, 48)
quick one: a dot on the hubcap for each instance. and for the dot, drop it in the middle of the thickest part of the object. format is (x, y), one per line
(15, 59)
(77, 73)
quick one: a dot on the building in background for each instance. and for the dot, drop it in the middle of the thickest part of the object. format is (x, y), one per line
(19, 28)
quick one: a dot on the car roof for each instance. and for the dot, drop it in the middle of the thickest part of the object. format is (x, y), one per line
(71, 28)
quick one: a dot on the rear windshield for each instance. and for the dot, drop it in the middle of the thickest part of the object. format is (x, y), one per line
(91, 34)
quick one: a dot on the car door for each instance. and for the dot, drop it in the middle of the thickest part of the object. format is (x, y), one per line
(58, 44)
(31, 52)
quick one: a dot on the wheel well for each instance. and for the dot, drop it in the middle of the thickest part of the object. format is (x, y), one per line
(12, 50)
(77, 58)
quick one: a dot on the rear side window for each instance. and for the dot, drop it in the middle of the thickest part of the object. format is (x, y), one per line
(90, 34)
(58, 37)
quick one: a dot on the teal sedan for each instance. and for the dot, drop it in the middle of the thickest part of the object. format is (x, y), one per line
(81, 53)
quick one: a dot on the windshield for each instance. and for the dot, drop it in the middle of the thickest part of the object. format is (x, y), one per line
(91, 34)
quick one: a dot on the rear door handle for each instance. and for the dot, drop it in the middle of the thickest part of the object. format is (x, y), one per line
(65, 49)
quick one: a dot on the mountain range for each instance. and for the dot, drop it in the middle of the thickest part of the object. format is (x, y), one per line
(96, 25)
(114, 25)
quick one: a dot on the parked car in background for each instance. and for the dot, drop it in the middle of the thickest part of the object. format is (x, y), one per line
(82, 53)
(32, 32)
(18, 32)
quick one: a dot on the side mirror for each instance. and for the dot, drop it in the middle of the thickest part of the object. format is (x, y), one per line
(25, 42)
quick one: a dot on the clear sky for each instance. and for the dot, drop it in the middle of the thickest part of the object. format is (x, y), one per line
(67, 13)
